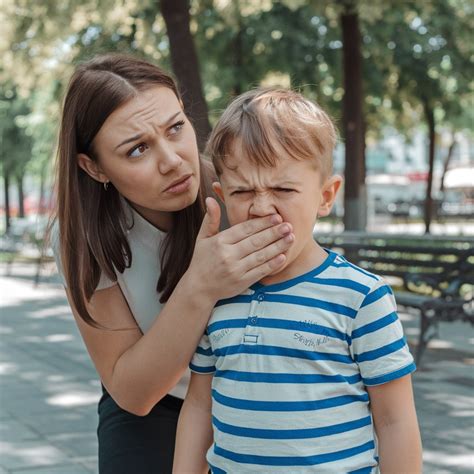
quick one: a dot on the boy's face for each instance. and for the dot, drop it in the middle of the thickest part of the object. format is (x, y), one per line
(293, 189)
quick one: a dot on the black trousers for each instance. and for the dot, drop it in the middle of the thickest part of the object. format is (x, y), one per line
(130, 444)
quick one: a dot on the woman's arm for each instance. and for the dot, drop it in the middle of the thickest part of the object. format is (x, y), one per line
(396, 425)
(138, 370)
(194, 435)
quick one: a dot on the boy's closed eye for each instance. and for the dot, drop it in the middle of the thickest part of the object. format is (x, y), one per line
(284, 190)
(248, 191)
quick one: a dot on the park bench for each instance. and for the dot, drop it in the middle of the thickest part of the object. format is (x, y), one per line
(430, 274)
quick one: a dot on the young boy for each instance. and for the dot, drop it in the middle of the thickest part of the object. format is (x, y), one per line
(308, 370)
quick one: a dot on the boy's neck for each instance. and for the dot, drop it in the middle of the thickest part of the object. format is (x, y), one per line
(312, 256)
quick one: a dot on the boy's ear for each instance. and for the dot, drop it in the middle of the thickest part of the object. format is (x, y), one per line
(328, 195)
(218, 190)
(91, 168)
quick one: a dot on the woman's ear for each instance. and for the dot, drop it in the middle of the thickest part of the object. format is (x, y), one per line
(216, 186)
(328, 195)
(92, 168)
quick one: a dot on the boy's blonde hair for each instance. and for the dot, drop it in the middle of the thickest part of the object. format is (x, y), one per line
(258, 120)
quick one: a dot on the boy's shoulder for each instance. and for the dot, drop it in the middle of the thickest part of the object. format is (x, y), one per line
(342, 269)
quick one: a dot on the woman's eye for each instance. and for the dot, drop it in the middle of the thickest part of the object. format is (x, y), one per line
(233, 193)
(284, 190)
(176, 127)
(138, 150)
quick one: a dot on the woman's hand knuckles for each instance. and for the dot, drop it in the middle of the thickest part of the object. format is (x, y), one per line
(226, 261)
(260, 258)
(249, 228)
(256, 242)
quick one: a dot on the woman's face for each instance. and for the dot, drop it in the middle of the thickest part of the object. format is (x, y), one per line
(147, 149)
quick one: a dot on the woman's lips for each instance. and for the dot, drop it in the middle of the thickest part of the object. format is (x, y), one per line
(181, 186)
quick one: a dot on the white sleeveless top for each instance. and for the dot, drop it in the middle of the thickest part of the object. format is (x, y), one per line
(138, 283)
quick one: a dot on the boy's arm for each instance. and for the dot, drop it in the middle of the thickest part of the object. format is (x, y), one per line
(396, 425)
(194, 435)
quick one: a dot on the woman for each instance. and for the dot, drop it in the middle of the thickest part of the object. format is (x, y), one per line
(141, 272)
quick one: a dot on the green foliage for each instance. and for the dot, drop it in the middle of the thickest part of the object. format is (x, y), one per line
(15, 138)
(416, 53)
(421, 60)
(285, 45)
(42, 128)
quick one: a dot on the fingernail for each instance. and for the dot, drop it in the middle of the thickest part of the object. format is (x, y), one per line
(284, 229)
(275, 219)
(289, 238)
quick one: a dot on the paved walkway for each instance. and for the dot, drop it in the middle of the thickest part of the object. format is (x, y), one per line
(49, 390)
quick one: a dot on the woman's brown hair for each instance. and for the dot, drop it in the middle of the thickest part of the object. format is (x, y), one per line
(92, 219)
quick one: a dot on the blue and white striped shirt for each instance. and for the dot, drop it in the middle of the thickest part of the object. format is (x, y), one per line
(291, 362)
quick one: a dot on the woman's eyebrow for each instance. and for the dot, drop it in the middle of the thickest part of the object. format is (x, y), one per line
(137, 137)
(168, 122)
(129, 140)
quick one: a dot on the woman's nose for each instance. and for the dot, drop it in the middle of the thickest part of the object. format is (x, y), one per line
(168, 159)
(262, 205)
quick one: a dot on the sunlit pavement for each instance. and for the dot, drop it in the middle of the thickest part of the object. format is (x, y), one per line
(48, 386)
(49, 390)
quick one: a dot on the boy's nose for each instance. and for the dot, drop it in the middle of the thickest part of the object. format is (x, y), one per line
(262, 205)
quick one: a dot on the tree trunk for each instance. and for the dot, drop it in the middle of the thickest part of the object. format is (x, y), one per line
(363, 171)
(355, 208)
(238, 51)
(6, 184)
(431, 152)
(185, 65)
(21, 196)
(447, 161)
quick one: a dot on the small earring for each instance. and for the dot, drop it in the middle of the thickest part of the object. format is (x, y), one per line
(106, 185)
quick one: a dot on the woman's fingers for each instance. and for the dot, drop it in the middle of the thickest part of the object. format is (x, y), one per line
(227, 263)
(267, 259)
(261, 271)
(243, 230)
(212, 219)
(259, 244)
